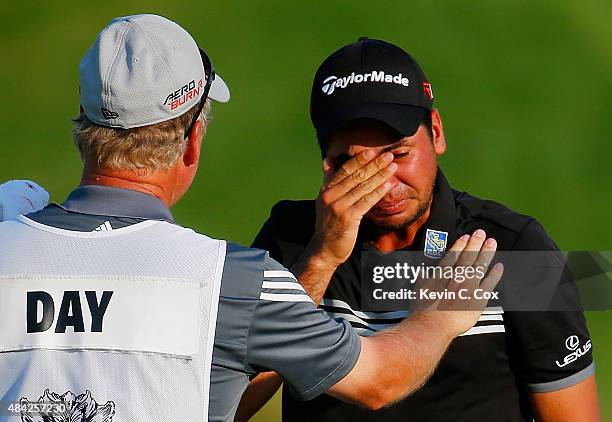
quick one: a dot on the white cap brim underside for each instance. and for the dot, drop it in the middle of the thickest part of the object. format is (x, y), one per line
(219, 90)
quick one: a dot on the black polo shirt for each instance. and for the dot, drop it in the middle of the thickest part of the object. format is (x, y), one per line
(486, 373)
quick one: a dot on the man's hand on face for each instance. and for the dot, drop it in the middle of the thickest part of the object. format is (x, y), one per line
(21, 197)
(458, 312)
(347, 194)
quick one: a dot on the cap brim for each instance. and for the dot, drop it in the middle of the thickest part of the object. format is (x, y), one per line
(406, 119)
(219, 90)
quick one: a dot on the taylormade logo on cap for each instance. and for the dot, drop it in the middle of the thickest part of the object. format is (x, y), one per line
(332, 82)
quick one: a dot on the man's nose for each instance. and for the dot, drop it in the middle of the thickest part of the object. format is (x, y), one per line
(395, 182)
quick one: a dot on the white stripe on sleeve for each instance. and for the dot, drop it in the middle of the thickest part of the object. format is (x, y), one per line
(279, 274)
(364, 315)
(483, 329)
(280, 297)
(491, 318)
(493, 310)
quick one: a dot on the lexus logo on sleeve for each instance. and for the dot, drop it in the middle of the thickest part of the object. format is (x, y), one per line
(572, 343)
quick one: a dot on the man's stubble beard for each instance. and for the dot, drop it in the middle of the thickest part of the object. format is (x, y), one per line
(381, 226)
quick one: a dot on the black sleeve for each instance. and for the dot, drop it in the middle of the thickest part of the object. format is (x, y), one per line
(266, 238)
(287, 231)
(553, 348)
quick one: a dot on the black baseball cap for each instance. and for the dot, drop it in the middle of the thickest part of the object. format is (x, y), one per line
(373, 79)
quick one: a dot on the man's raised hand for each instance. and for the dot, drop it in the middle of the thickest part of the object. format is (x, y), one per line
(347, 194)
(458, 301)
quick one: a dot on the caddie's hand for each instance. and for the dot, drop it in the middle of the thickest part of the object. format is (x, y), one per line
(462, 298)
(347, 194)
(21, 197)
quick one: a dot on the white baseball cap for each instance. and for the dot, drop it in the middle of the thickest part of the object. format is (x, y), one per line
(142, 70)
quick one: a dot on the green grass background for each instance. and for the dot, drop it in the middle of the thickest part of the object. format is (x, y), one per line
(524, 89)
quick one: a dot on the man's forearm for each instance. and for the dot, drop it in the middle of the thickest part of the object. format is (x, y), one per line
(257, 394)
(577, 403)
(421, 341)
(401, 359)
(411, 351)
(314, 274)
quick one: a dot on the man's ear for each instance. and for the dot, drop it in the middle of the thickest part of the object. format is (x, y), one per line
(191, 155)
(439, 142)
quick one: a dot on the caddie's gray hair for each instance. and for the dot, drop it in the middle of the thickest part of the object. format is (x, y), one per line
(152, 147)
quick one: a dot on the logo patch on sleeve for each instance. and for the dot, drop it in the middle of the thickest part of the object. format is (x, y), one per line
(572, 343)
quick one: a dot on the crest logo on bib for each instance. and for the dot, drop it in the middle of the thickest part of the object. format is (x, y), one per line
(66, 408)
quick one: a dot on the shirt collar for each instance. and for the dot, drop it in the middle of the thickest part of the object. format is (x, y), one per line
(116, 202)
(443, 213)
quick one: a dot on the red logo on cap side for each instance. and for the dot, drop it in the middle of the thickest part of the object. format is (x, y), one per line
(184, 94)
(427, 89)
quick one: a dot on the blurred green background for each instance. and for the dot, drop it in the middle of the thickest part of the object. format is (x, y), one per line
(524, 89)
